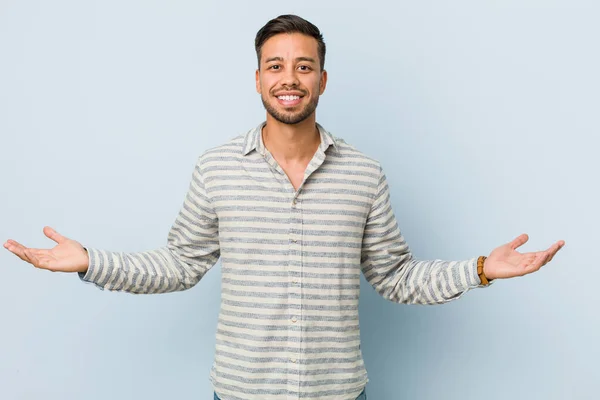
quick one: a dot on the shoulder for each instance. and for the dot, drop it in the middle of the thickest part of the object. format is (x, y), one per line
(229, 151)
(348, 154)
(345, 161)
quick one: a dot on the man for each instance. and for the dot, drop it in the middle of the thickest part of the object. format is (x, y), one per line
(294, 214)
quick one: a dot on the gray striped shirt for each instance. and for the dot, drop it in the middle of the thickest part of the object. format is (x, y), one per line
(291, 262)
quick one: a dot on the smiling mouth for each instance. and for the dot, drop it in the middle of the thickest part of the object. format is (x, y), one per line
(289, 100)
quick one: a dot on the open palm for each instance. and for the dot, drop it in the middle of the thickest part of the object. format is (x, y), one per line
(67, 256)
(506, 262)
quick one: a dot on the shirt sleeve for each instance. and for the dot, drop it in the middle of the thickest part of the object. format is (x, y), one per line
(192, 249)
(388, 265)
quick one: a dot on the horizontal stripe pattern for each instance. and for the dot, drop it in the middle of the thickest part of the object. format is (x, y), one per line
(291, 260)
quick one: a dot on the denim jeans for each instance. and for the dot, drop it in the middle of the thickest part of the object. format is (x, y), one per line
(361, 396)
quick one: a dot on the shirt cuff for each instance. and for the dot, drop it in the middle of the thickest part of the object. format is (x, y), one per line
(88, 276)
(475, 281)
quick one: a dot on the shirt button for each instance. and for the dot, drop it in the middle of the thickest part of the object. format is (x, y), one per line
(292, 359)
(295, 281)
(294, 202)
(294, 241)
(294, 320)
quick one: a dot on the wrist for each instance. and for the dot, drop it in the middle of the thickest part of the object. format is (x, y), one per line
(481, 271)
(85, 262)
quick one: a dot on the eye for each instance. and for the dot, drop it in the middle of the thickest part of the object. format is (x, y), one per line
(274, 66)
(304, 68)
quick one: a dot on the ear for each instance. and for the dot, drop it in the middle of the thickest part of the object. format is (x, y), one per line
(257, 77)
(323, 82)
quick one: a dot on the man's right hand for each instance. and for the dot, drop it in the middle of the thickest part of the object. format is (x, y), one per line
(67, 256)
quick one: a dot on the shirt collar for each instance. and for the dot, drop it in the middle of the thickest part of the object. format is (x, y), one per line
(253, 140)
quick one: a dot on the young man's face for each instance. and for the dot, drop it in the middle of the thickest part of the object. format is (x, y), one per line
(290, 79)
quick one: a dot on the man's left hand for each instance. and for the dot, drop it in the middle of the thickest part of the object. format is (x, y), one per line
(506, 262)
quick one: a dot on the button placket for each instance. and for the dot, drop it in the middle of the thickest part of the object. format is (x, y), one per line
(295, 296)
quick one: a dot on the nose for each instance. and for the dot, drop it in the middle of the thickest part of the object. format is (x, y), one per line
(290, 78)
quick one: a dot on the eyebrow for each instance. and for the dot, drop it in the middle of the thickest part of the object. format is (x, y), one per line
(271, 59)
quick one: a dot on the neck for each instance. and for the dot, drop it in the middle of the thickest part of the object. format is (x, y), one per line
(287, 142)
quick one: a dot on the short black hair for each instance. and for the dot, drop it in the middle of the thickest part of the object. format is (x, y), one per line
(289, 24)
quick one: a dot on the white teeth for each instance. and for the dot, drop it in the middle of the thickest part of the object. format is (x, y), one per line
(288, 98)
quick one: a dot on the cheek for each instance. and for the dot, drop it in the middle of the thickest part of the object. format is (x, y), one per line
(266, 86)
(316, 85)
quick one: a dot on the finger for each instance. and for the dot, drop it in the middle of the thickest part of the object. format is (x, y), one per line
(39, 258)
(544, 258)
(38, 253)
(555, 247)
(52, 234)
(31, 257)
(13, 242)
(535, 261)
(519, 241)
(17, 249)
(553, 252)
(559, 245)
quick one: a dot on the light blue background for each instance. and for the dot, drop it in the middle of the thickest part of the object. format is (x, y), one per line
(485, 116)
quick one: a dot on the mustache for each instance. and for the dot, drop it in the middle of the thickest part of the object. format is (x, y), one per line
(289, 89)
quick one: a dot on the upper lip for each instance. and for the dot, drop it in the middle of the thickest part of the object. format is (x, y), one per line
(289, 94)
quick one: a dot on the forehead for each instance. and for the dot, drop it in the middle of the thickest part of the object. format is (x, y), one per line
(290, 46)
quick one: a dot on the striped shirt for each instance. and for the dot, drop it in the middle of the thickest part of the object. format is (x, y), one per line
(291, 260)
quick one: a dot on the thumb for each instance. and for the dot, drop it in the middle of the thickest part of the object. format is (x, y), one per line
(519, 241)
(52, 234)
